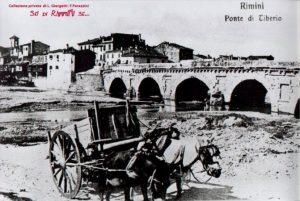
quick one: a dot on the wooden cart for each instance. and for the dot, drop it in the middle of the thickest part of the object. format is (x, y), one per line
(77, 152)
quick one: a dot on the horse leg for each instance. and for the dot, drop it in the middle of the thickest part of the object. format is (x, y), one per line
(127, 193)
(177, 176)
(144, 192)
(131, 192)
(101, 196)
(107, 195)
(100, 191)
(178, 185)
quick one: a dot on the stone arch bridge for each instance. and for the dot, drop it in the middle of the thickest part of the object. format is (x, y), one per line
(242, 89)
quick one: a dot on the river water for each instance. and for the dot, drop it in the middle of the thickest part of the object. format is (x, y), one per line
(59, 116)
(56, 115)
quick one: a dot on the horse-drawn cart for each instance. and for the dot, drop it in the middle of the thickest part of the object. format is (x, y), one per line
(79, 150)
(82, 151)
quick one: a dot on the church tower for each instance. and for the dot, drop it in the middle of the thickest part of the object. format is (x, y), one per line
(14, 41)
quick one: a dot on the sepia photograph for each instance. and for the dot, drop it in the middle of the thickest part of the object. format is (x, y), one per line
(139, 100)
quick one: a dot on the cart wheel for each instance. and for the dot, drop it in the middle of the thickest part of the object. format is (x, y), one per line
(64, 157)
(198, 174)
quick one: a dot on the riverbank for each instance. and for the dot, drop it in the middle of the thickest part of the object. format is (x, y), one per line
(259, 160)
(27, 99)
(27, 113)
(260, 152)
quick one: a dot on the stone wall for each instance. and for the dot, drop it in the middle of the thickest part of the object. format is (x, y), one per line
(87, 82)
(40, 82)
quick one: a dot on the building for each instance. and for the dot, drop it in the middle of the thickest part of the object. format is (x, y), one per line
(111, 46)
(109, 49)
(175, 52)
(113, 57)
(249, 58)
(4, 55)
(89, 44)
(28, 50)
(63, 64)
(14, 44)
(60, 68)
(37, 70)
(142, 55)
(228, 57)
(202, 57)
(137, 54)
(20, 56)
(90, 80)
(269, 58)
(38, 66)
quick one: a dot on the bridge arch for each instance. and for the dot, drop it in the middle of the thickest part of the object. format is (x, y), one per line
(149, 89)
(117, 88)
(233, 82)
(190, 94)
(250, 95)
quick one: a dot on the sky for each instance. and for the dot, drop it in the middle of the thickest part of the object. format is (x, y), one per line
(198, 24)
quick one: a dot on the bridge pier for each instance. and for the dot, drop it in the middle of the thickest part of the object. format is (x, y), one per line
(170, 105)
(274, 108)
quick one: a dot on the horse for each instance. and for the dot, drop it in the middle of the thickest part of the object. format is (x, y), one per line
(135, 169)
(181, 156)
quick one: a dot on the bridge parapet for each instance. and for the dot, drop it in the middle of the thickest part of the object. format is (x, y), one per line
(266, 70)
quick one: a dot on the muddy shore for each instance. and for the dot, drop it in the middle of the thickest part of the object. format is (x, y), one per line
(260, 152)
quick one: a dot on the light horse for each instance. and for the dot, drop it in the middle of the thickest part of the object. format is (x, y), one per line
(182, 155)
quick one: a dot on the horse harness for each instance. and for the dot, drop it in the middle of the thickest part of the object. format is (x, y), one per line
(208, 152)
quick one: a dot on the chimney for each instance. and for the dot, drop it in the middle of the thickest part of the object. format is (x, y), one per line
(67, 46)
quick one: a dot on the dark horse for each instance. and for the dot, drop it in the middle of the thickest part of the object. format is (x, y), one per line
(135, 169)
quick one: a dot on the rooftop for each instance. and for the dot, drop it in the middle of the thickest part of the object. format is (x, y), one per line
(66, 50)
(4, 49)
(143, 52)
(33, 41)
(174, 45)
(255, 57)
(201, 56)
(91, 41)
(14, 37)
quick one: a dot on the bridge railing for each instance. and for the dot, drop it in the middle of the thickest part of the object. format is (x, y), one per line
(211, 63)
(125, 67)
(245, 64)
(197, 66)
